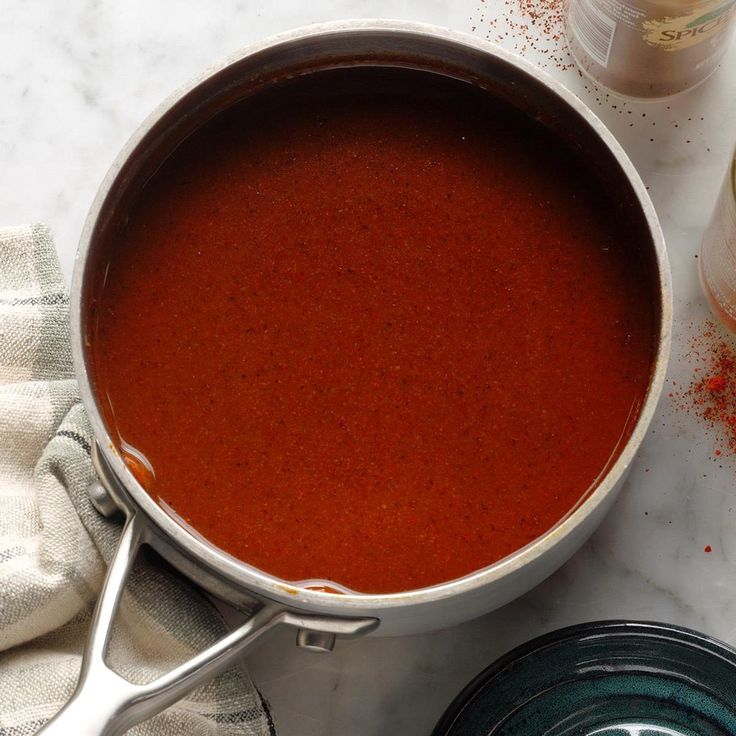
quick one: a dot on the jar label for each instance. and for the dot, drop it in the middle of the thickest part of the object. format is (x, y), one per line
(594, 29)
(683, 31)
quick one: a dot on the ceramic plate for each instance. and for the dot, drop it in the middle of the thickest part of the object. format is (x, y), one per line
(603, 679)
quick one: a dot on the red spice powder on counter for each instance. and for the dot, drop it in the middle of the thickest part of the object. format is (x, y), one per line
(716, 384)
(525, 26)
(711, 395)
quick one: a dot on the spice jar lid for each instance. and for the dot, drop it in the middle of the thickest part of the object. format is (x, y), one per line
(603, 679)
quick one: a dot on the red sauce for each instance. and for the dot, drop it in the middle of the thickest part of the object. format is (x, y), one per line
(373, 327)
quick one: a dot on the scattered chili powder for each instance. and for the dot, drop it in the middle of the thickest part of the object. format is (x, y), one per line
(711, 395)
(716, 384)
(525, 25)
(536, 29)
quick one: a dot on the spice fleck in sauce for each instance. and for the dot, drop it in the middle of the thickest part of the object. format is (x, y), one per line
(373, 327)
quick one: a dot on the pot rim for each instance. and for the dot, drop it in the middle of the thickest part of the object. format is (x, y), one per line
(261, 583)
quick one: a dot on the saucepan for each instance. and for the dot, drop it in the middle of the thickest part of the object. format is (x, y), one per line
(318, 617)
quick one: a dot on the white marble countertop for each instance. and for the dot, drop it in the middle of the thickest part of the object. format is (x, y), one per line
(75, 80)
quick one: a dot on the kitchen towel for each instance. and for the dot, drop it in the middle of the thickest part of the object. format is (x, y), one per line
(54, 545)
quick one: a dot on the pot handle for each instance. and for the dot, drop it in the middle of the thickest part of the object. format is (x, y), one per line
(106, 704)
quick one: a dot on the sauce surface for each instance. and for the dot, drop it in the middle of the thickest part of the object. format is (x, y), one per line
(374, 327)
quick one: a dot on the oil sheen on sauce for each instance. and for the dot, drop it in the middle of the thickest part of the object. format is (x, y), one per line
(374, 327)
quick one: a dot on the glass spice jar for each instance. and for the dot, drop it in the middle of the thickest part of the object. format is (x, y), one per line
(649, 48)
(718, 254)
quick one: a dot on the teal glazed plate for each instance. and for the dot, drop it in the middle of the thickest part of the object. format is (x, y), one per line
(610, 678)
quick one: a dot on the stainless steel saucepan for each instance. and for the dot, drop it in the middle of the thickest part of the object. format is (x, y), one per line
(104, 702)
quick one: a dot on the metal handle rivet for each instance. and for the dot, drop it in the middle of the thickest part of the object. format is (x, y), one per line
(315, 641)
(101, 499)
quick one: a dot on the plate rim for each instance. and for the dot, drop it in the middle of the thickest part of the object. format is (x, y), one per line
(685, 635)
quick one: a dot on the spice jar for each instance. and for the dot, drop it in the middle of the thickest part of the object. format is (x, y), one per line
(649, 48)
(718, 254)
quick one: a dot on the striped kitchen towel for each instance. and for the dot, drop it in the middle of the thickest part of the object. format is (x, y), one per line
(54, 545)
